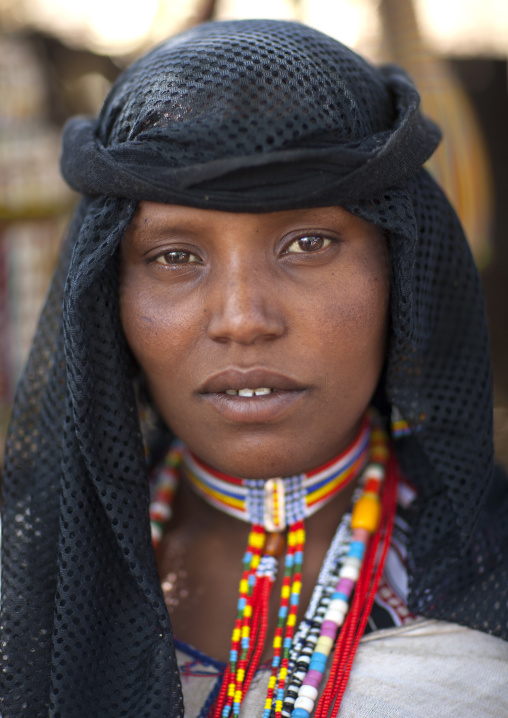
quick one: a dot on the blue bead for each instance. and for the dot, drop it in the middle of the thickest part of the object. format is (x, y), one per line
(318, 662)
(317, 666)
(356, 549)
(294, 599)
(283, 611)
(276, 661)
(233, 655)
(280, 694)
(339, 594)
(242, 602)
(300, 713)
(287, 642)
(319, 656)
(299, 556)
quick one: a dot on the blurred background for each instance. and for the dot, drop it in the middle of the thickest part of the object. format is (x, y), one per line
(58, 58)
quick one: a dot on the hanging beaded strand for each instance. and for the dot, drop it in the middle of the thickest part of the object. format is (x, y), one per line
(290, 594)
(240, 652)
(164, 491)
(229, 701)
(308, 631)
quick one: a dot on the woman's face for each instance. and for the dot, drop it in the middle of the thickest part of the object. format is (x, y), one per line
(291, 306)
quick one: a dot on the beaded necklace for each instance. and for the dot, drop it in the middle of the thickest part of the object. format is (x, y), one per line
(344, 593)
(278, 503)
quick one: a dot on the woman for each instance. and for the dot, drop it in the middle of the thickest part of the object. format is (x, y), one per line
(261, 255)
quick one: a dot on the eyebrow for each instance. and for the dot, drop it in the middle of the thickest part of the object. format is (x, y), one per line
(160, 229)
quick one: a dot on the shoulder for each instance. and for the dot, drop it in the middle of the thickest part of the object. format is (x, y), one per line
(429, 666)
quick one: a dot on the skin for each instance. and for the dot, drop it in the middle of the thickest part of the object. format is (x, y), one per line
(300, 298)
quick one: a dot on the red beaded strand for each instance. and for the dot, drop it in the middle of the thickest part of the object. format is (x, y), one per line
(365, 593)
(240, 642)
(292, 611)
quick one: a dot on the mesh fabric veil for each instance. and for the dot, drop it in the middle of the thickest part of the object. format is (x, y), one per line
(245, 116)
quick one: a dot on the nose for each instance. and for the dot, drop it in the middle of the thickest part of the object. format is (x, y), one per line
(245, 307)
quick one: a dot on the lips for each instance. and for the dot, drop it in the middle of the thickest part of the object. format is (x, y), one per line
(239, 379)
(252, 395)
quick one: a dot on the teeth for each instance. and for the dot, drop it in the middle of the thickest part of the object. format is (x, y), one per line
(249, 392)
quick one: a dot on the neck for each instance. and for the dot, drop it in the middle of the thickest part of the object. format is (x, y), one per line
(278, 502)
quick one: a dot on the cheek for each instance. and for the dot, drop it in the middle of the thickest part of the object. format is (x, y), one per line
(353, 331)
(154, 331)
(159, 336)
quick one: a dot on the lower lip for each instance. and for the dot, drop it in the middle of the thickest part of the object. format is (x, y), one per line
(254, 409)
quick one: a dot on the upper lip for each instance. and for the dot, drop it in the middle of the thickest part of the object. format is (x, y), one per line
(255, 378)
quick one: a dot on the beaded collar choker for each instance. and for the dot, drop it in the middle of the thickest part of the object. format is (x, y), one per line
(277, 503)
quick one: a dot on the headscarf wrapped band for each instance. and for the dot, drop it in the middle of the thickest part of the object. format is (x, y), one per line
(335, 172)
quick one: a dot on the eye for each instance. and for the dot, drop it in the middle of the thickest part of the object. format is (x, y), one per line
(177, 256)
(306, 245)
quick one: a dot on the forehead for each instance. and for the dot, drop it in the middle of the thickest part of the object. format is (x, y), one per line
(154, 216)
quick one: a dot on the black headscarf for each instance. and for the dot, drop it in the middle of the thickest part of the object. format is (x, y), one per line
(238, 116)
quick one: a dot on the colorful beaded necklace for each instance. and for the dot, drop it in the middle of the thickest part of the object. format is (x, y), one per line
(346, 587)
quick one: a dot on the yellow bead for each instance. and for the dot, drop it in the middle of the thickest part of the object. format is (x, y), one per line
(257, 540)
(285, 592)
(324, 645)
(366, 513)
(291, 620)
(236, 634)
(297, 587)
(277, 642)
(247, 611)
(240, 675)
(244, 586)
(379, 454)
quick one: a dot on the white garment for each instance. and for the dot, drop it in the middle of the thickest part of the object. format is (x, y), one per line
(427, 668)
